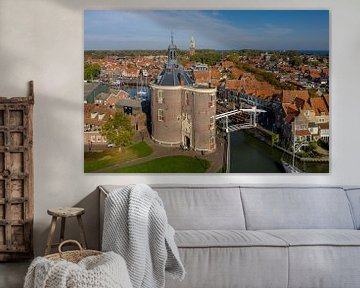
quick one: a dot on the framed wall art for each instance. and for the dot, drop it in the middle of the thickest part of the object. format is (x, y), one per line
(225, 91)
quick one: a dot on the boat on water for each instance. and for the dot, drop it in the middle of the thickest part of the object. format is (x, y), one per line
(291, 168)
(141, 93)
(141, 85)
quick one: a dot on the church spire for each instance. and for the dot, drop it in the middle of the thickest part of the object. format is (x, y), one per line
(172, 52)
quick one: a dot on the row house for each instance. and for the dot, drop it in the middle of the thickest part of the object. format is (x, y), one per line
(101, 98)
(94, 117)
(324, 132)
(321, 110)
(249, 89)
(111, 99)
(133, 108)
(303, 118)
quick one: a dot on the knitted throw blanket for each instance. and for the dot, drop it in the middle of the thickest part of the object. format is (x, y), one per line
(136, 227)
(103, 271)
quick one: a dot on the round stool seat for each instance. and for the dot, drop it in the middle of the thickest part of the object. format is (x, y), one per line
(66, 211)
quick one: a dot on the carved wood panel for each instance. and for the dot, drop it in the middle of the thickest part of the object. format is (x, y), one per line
(16, 177)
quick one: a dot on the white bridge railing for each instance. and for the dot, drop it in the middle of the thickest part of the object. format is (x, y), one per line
(251, 112)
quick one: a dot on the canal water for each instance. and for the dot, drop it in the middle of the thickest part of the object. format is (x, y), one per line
(251, 155)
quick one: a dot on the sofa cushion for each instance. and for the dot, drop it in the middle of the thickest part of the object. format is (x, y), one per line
(315, 237)
(199, 207)
(226, 238)
(354, 198)
(322, 258)
(296, 208)
(324, 266)
(225, 267)
(203, 208)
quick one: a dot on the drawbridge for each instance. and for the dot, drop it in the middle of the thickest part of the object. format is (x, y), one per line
(238, 119)
(235, 120)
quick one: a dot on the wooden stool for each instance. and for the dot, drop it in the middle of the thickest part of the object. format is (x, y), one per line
(64, 213)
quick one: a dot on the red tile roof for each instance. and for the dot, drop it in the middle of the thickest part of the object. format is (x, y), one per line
(233, 84)
(319, 106)
(236, 73)
(302, 132)
(202, 76)
(288, 96)
(324, 126)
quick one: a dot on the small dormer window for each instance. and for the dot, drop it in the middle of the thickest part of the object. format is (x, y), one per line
(101, 116)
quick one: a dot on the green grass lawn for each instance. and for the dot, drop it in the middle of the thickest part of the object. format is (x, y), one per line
(168, 164)
(94, 161)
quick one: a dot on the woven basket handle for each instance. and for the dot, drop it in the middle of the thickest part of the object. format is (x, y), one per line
(69, 241)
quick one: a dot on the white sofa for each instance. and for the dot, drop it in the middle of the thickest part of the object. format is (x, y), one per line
(240, 236)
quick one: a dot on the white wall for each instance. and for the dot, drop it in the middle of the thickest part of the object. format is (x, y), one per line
(42, 40)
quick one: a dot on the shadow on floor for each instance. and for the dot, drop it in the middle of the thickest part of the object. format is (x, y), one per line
(12, 275)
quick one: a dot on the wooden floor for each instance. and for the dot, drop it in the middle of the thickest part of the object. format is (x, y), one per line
(12, 274)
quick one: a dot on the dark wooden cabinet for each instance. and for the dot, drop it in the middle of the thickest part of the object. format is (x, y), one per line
(16, 177)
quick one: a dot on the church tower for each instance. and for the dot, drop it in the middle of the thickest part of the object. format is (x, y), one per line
(192, 46)
(172, 52)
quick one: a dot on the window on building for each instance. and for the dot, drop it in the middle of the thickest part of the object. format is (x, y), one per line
(92, 138)
(160, 97)
(212, 142)
(212, 100)
(98, 138)
(212, 122)
(321, 120)
(160, 115)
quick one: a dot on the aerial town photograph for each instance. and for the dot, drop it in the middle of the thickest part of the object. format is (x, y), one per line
(215, 91)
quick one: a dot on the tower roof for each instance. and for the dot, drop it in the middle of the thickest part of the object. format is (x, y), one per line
(173, 74)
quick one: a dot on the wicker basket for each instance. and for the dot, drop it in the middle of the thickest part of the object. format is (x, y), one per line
(72, 256)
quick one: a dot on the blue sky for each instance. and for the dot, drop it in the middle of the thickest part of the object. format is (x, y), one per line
(213, 29)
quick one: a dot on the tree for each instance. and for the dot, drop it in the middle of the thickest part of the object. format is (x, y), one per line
(207, 57)
(295, 61)
(118, 130)
(275, 57)
(234, 57)
(91, 71)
